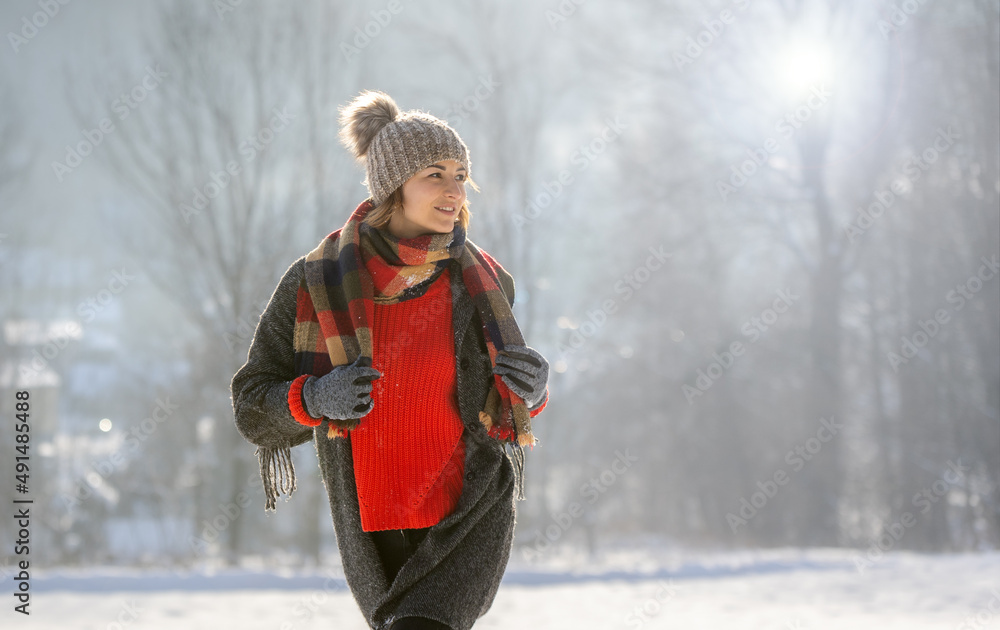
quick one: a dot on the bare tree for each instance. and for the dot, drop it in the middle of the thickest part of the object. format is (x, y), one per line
(227, 155)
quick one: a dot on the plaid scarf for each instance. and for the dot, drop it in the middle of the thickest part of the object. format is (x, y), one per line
(359, 265)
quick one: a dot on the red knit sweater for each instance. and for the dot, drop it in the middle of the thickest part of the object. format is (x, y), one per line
(408, 452)
(409, 456)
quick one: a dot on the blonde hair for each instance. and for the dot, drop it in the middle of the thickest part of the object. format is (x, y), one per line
(380, 215)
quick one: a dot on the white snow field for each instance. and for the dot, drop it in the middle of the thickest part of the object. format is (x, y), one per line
(650, 588)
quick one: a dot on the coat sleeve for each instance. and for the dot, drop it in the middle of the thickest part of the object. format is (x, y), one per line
(260, 387)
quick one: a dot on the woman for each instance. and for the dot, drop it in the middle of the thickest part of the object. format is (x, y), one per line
(393, 346)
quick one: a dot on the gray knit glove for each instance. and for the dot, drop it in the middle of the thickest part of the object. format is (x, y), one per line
(525, 371)
(342, 394)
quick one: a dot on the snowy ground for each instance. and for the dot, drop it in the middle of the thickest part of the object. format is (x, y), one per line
(650, 588)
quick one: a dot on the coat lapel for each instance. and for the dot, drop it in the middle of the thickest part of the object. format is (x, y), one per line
(461, 307)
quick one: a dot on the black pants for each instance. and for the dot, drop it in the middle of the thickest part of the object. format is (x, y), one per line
(395, 546)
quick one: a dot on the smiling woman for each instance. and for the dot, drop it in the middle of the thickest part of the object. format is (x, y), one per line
(432, 201)
(393, 346)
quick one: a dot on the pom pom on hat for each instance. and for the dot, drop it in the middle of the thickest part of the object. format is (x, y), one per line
(363, 118)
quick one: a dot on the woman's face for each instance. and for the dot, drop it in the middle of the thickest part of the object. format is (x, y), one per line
(431, 201)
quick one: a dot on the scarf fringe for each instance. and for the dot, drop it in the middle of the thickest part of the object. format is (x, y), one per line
(517, 459)
(277, 473)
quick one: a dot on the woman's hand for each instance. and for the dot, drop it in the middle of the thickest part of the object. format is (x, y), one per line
(525, 371)
(342, 394)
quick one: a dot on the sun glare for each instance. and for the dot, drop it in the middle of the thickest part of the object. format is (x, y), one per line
(803, 66)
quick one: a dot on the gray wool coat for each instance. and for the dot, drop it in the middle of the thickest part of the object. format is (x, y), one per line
(454, 574)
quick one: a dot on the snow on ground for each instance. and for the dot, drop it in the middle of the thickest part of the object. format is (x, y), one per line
(650, 588)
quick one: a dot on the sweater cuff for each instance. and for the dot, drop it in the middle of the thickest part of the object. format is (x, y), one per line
(537, 410)
(295, 403)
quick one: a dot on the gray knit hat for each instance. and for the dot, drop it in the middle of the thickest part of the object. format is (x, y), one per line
(394, 145)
